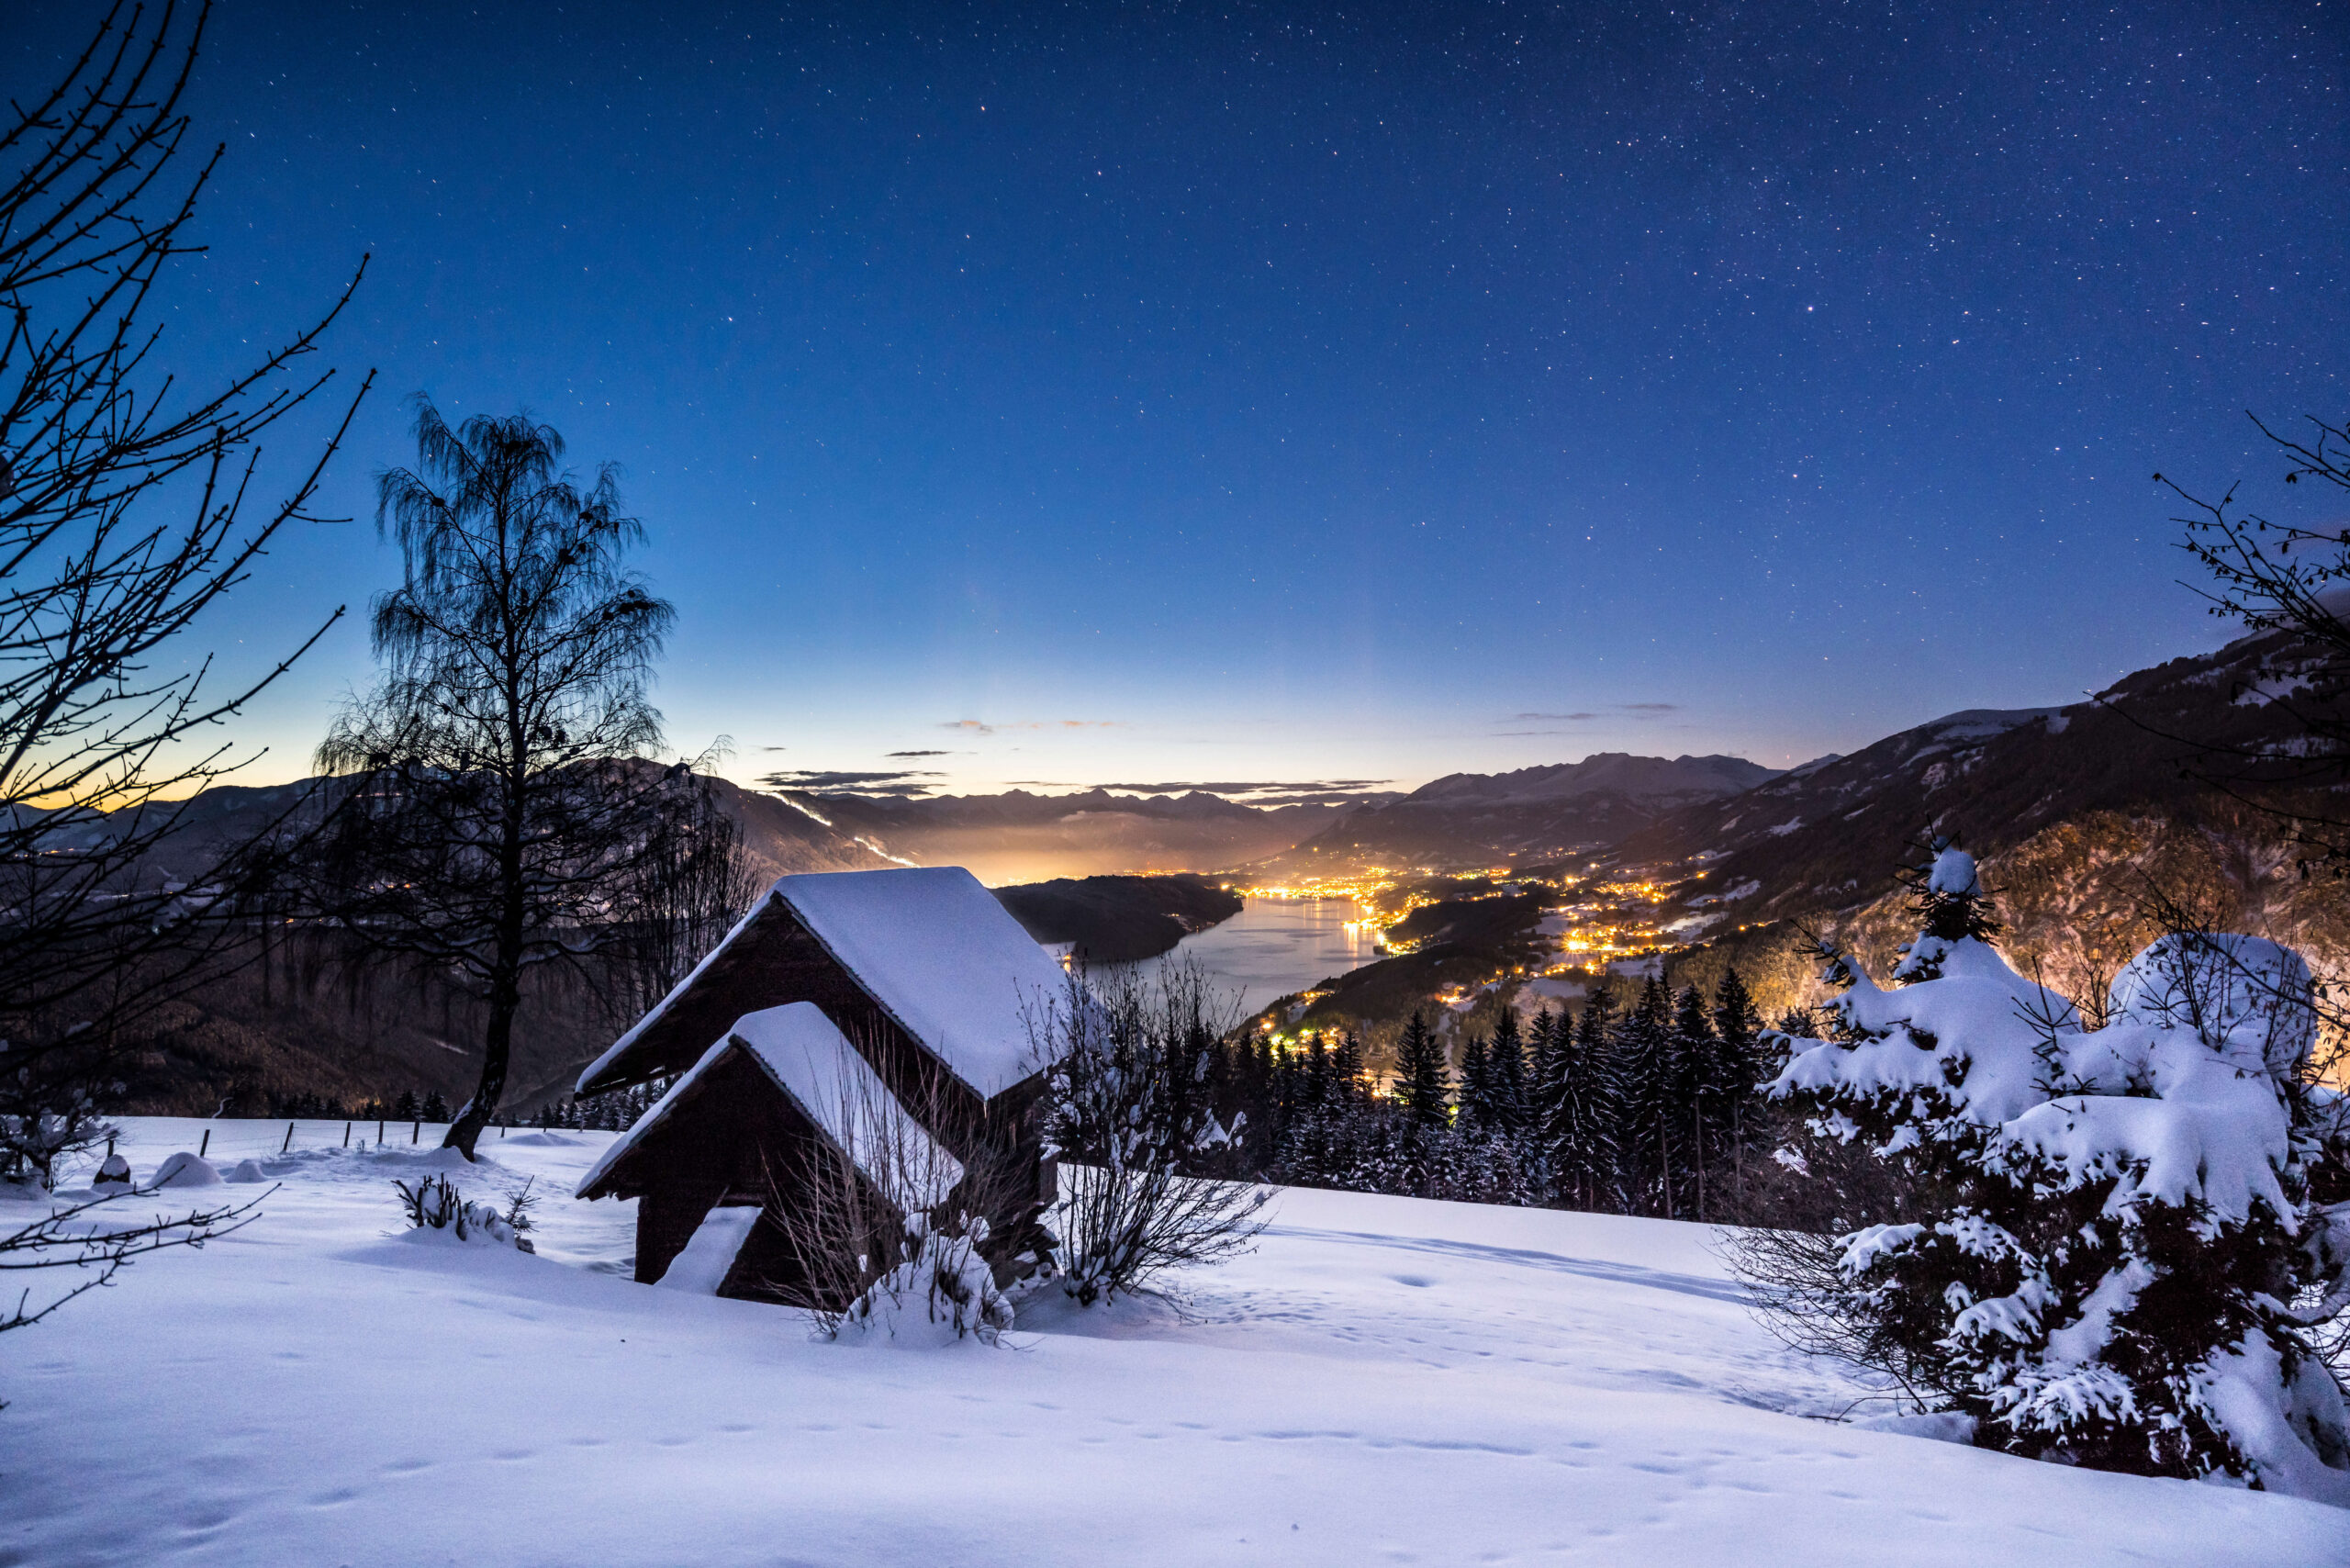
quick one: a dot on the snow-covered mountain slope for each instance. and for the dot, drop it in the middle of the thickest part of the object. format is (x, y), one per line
(1383, 1380)
(2083, 816)
(1471, 819)
(1826, 835)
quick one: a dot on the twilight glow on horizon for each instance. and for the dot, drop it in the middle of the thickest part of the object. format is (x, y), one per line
(1232, 394)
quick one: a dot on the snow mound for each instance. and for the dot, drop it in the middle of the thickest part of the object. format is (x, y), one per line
(484, 1231)
(1939, 1425)
(429, 1161)
(702, 1265)
(943, 1295)
(186, 1170)
(247, 1171)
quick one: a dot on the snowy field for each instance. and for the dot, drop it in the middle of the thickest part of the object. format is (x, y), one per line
(1383, 1380)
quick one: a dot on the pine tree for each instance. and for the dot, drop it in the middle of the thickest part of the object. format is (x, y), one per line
(2113, 1221)
(1553, 1051)
(1476, 1087)
(406, 1108)
(1737, 1025)
(1641, 1058)
(1697, 1096)
(1347, 1071)
(1315, 1090)
(1947, 899)
(435, 1108)
(1421, 1079)
(1505, 1067)
(1580, 1131)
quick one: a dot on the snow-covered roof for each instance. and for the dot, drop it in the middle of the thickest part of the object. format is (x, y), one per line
(949, 962)
(811, 1061)
(930, 944)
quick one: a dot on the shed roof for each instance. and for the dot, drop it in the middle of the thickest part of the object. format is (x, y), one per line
(831, 1084)
(929, 944)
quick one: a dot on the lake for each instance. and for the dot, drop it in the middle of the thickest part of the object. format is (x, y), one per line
(1274, 947)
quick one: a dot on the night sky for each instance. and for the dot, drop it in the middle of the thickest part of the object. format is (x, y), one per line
(1222, 393)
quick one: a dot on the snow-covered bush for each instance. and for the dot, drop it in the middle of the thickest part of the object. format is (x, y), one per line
(2130, 1263)
(1129, 1109)
(49, 1109)
(943, 1291)
(434, 1204)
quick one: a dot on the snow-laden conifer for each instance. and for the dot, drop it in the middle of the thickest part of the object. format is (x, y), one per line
(2130, 1263)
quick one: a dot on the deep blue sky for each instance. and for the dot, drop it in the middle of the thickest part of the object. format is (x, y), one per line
(1225, 392)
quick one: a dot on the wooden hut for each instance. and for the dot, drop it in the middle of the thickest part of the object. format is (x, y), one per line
(930, 995)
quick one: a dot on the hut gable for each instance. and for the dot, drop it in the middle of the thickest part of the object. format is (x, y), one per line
(828, 1083)
(927, 950)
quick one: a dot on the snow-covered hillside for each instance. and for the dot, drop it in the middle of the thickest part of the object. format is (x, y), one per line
(1384, 1380)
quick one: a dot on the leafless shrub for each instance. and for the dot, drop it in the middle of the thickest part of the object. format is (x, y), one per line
(1798, 1289)
(884, 1229)
(1130, 1061)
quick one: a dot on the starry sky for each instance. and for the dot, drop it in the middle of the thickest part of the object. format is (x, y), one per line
(1299, 394)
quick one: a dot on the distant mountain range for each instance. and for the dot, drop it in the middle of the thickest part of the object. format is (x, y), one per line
(1459, 822)
(1466, 820)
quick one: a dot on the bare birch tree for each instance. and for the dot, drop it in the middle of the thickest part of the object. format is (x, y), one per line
(498, 785)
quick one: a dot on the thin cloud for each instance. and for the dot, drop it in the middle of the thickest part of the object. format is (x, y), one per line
(1614, 710)
(982, 727)
(1330, 792)
(1234, 786)
(903, 782)
(919, 754)
(1310, 798)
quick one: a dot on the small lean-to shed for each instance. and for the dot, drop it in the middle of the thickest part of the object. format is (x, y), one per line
(782, 1099)
(936, 992)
